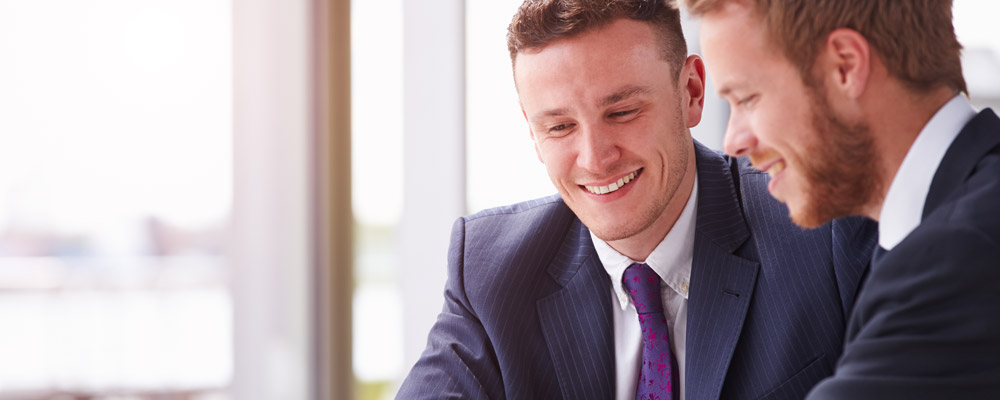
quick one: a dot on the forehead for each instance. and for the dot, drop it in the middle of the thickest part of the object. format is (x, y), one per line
(732, 26)
(624, 52)
(736, 47)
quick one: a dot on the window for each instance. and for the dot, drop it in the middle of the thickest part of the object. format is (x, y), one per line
(377, 191)
(981, 50)
(115, 167)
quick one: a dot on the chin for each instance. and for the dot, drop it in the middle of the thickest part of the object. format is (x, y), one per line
(807, 220)
(814, 213)
(612, 233)
(607, 234)
(803, 210)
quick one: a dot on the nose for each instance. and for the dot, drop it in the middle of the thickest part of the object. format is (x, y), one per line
(596, 150)
(740, 139)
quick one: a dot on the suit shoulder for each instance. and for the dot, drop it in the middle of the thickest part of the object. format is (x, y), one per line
(943, 256)
(752, 187)
(531, 207)
(524, 220)
(504, 247)
(935, 291)
(968, 240)
(739, 165)
(976, 204)
(533, 227)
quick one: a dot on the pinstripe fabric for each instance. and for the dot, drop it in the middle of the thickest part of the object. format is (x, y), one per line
(802, 293)
(527, 310)
(577, 321)
(721, 283)
(545, 306)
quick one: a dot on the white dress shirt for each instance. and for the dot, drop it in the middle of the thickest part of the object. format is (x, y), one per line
(904, 202)
(671, 260)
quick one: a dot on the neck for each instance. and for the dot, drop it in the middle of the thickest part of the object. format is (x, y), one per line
(639, 246)
(896, 116)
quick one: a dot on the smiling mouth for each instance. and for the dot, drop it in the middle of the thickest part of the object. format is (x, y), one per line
(772, 169)
(776, 169)
(613, 186)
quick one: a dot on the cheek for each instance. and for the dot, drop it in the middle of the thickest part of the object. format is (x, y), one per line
(556, 158)
(775, 127)
(645, 134)
(767, 129)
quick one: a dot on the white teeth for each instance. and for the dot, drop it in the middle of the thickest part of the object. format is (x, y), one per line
(776, 168)
(613, 186)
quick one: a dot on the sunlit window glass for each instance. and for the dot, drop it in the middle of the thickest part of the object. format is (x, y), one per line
(981, 49)
(377, 190)
(502, 165)
(115, 121)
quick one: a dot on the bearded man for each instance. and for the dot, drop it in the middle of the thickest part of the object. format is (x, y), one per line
(858, 107)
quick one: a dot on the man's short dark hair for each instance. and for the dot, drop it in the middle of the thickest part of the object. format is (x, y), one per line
(540, 22)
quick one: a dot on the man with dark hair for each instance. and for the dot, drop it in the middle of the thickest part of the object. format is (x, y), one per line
(662, 270)
(856, 107)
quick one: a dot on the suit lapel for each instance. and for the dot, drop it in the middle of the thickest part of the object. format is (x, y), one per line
(576, 320)
(977, 138)
(722, 283)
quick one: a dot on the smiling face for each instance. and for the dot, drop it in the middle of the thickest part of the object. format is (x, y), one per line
(610, 123)
(821, 165)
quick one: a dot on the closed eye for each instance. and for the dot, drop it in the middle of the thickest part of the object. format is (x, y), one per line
(559, 130)
(625, 113)
(746, 101)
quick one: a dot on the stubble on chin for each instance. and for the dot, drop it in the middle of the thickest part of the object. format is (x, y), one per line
(840, 168)
(622, 228)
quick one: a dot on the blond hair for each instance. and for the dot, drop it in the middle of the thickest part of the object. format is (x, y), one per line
(915, 39)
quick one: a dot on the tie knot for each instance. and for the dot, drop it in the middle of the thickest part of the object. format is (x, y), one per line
(643, 286)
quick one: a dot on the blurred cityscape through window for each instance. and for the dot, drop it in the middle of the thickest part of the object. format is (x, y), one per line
(115, 186)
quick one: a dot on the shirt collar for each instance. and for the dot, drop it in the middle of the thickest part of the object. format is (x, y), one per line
(671, 259)
(904, 202)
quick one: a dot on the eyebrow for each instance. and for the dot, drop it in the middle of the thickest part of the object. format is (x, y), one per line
(727, 89)
(624, 93)
(553, 112)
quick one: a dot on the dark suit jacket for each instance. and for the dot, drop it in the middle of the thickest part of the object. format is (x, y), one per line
(927, 324)
(527, 311)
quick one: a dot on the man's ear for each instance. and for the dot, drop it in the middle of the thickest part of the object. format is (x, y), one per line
(692, 82)
(532, 134)
(845, 62)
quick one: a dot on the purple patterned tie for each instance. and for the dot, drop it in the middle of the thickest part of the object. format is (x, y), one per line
(658, 376)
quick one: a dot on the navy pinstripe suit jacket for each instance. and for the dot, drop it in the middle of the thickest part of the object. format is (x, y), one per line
(527, 311)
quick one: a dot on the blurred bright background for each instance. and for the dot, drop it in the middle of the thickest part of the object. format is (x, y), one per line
(115, 192)
(157, 239)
